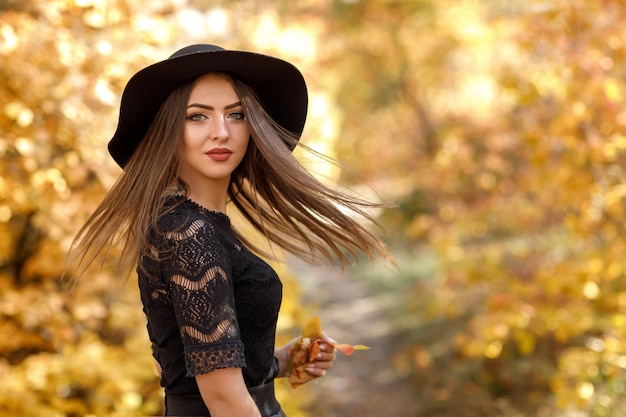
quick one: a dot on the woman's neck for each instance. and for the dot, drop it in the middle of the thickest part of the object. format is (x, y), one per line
(212, 195)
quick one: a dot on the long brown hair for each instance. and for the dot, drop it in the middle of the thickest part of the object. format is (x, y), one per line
(270, 188)
(287, 204)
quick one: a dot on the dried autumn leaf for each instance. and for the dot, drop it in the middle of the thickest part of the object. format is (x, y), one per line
(313, 328)
(349, 349)
(305, 349)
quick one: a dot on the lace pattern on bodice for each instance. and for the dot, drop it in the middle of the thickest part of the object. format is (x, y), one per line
(198, 292)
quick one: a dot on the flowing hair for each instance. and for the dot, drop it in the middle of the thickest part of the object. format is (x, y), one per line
(287, 204)
(269, 188)
(123, 219)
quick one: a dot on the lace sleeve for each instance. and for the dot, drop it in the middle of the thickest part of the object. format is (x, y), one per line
(198, 273)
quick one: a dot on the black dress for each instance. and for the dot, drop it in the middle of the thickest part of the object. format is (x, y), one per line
(210, 303)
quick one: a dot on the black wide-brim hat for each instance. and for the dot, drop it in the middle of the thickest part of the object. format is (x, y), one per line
(279, 85)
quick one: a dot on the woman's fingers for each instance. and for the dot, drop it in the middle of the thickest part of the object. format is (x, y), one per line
(328, 340)
(324, 359)
(326, 354)
(316, 370)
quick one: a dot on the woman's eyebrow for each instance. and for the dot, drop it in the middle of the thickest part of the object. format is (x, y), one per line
(207, 107)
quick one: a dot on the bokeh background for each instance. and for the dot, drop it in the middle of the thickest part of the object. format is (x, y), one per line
(497, 128)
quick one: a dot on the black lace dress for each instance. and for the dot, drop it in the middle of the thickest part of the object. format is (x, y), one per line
(210, 303)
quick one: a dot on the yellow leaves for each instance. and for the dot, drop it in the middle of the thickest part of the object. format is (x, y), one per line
(25, 147)
(525, 342)
(613, 90)
(49, 177)
(313, 328)
(154, 29)
(104, 93)
(298, 41)
(97, 18)
(90, 362)
(493, 349)
(18, 112)
(9, 40)
(71, 329)
(618, 321)
(591, 290)
(489, 336)
(585, 390)
(578, 368)
(5, 212)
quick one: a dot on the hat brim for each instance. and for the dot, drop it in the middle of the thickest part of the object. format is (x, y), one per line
(279, 85)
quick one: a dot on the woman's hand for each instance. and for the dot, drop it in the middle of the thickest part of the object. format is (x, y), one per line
(325, 358)
(322, 363)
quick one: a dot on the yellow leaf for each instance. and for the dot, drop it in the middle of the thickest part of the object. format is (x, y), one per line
(313, 328)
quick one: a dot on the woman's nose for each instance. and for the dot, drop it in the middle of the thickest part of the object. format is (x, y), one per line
(219, 129)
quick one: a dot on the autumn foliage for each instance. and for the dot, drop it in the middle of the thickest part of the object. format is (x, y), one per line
(497, 127)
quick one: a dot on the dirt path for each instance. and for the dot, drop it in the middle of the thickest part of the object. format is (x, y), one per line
(365, 384)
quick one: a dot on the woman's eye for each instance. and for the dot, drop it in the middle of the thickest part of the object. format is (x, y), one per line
(238, 115)
(196, 117)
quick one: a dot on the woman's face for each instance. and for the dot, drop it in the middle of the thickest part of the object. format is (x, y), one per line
(216, 133)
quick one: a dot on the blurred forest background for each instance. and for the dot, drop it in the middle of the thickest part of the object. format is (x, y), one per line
(498, 127)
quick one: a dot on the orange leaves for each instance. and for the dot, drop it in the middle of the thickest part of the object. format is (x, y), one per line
(349, 349)
(305, 349)
(303, 352)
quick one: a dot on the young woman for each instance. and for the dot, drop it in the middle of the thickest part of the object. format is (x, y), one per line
(206, 130)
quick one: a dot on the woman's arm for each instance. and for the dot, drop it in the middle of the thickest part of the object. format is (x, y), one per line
(225, 394)
(318, 368)
(282, 354)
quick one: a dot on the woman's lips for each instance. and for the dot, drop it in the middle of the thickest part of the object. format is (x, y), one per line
(219, 154)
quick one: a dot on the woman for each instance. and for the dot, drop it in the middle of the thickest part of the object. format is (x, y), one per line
(199, 132)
